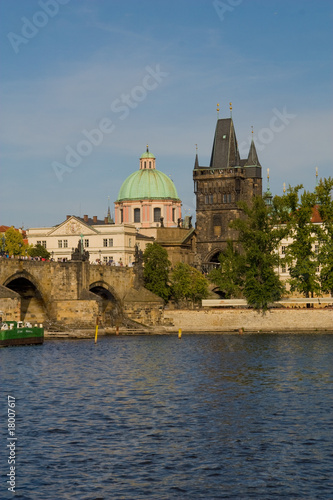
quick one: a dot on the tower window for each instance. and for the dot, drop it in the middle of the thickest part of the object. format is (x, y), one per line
(157, 214)
(174, 215)
(150, 164)
(121, 216)
(137, 215)
(217, 225)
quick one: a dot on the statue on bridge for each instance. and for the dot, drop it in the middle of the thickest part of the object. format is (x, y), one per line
(138, 268)
(79, 253)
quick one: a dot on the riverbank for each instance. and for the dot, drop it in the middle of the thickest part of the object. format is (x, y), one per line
(222, 321)
(232, 320)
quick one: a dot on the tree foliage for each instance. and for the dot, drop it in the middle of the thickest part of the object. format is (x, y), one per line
(251, 272)
(156, 270)
(38, 251)
(300, 256)
(187, 283)
(229, 276)
(260, 238)
(14, 244)
(325, 234)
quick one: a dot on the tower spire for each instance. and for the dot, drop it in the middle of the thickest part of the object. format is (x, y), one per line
(316, 176)
(110, 220)
(196, 162)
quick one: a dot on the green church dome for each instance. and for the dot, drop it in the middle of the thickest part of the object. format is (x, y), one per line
(148, 184)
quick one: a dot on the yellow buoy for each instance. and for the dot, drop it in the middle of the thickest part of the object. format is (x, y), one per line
(180, 333)
(96, 331)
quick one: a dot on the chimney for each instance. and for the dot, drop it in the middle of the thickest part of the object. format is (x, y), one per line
(68, 217)
(95, 219)
(106, 220)
(85, 218)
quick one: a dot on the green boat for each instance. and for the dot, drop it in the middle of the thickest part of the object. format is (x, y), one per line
(19, 333)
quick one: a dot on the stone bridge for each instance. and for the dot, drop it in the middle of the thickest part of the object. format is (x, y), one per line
(74, 293)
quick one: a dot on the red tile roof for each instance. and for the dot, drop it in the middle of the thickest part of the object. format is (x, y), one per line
(315, 215)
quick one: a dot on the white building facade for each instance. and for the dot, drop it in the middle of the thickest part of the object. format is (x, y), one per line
(105, 242)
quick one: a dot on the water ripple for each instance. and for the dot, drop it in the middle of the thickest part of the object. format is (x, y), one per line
(207, 417)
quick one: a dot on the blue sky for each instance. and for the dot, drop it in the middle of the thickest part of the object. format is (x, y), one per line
(152, 72)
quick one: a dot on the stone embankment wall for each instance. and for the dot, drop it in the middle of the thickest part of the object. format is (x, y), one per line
(10, 305)
(228, 320)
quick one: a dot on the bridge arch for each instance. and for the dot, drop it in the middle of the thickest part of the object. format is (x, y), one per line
(211, 260)
(110, 307)
(33, 306)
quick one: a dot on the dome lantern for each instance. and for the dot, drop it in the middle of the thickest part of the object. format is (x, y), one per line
(147, 160)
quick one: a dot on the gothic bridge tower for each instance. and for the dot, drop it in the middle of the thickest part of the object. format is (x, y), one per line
(219, 187)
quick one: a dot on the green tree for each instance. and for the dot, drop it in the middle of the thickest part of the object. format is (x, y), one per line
(38, 251)
(14, 244)
(187, 283)
(229, 276)
(156, 270)
(300, 255)
(259, 238)
(325, 234)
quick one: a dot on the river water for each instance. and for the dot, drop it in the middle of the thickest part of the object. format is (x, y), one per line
(154, 417)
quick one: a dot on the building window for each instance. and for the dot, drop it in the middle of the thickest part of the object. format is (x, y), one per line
(174, 215)
(59, 243)
(105, 259)
(130, 242)
(211, 198)
(145, 164)
(150, 164)
(206, 199)
(121, 216)
(65, 243)
(137, 215)
(217, 225)
(229, 198)
(195, 186)
(157, 214)
(105, 242)
(224, 198)
(86, 243)
(283, 249)
(39, 242)
(44, 244)
(283, 269)
(110, 242)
